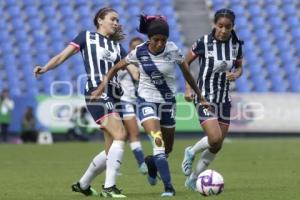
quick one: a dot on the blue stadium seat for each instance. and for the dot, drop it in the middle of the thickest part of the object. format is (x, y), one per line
(11, 2)
(35, 23)
(80, 2)
(242, 84)
(295, 32)
(259, 83)
(254, 10)
(294, 82)
(24, 47)
(49, 11)
(38, 36)
(55, 35)
(29, 3)
(52, 24)
(245, 35)
(261, 34)
(277, 83)
(84, 11)
(4, 36)
(166, 2)
(67, 11)
(272, 10)
(239, 10)
(289, 9)
(46, 3)
(63, 3)
(290, 67)
(150, 10)
(272, 69)
(17, 24)
(133, 11)
(279, 34)
(21, 36)
(275, 22)
(32, 11)
(293, 21)
(258, 22)
(14, 11)
(241, 22)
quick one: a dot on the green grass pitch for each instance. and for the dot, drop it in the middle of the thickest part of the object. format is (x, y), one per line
(253, 169)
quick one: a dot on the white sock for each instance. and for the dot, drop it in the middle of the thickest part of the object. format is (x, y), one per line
(97, 166)
(201, 145)
(135, 145)
(206, 158)
(113, 162)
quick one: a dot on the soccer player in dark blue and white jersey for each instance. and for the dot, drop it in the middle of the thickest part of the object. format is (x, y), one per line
(100, 51)
(157, 60)
(129, 82)
(220, 60)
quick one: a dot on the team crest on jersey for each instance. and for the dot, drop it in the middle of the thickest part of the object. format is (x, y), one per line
(168, 56)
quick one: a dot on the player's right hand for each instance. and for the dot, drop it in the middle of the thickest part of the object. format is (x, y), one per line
(189, 95)
(38, 70)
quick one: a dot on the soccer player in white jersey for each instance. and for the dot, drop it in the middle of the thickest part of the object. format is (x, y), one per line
(100, 51)
(129, 80)
(157, 60)
(220, 60)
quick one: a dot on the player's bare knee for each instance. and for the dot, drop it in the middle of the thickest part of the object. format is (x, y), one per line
(215, 143)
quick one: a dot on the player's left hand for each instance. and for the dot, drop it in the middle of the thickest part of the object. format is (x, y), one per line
(96, 93)
(231, 76)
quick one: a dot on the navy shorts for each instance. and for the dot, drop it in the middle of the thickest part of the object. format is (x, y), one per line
(101, 107)
(220, 111)
(164, 112)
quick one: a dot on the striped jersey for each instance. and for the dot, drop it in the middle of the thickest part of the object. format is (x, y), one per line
(129, 86)
(157, 72)
(215, 59)
(99, 55)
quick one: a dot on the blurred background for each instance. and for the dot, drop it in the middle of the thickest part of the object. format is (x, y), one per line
(266, 98)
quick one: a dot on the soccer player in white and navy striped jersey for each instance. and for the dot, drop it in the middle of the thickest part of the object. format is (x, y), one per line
(100, 51)
(220, 61)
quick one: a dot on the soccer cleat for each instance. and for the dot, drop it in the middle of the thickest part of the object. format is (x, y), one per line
(190, 183)
(187, 162)
(87, 192)
(169, 192)
(143, 168)
(111, 192)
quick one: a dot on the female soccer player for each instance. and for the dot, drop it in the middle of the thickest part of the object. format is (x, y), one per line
(220, 60)
(129, 80)
(157, 60)
(100, 51)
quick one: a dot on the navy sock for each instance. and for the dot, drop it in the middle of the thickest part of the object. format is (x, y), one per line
(152, 170)
(139, 156)
(163, 169)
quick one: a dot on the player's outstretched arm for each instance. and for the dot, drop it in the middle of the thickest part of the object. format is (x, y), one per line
(55, 61)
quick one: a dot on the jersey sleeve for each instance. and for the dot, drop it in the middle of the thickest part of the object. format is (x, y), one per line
(123, 52)
(198, 47)
(240, 52)
(79, 41)
(179, 56)
(131, 57)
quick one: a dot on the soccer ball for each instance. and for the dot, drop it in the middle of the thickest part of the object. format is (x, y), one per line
(210, 183)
